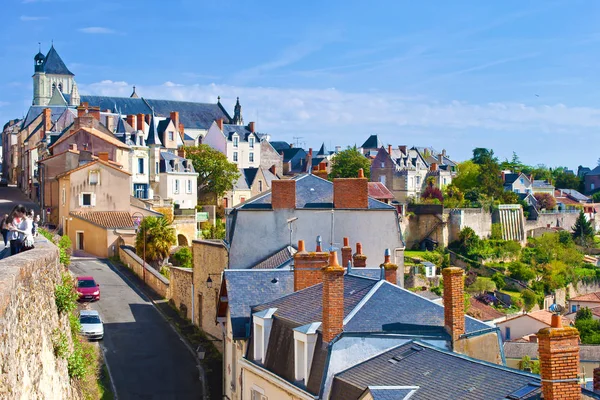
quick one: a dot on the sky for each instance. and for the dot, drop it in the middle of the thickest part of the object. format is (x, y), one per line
(508, 75)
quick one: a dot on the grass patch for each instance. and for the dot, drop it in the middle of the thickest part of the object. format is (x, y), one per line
(582, 272)
(104, 386)
(415, 253)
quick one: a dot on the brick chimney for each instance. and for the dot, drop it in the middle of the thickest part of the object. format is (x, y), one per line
(175, 118)
(94, 112)
(333, 299)
(181, 130)
(559, 361)
(310, 151)
(307, 267)
(140, 122)
(402, 149)
(351, 192)
(454, 302)
(181, 152)
(82, 109)
(503, 176)
(283, 194)
(103, 156)
(390, 149)
(131, 121)
(433, 167)
(389, 268)
(597, 379)
(346, 252)
(251, 127)
(220, 123)
(47, 119)
(359, 259)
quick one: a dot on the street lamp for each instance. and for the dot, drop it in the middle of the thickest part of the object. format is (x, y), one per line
(137, 224)
(209, 281)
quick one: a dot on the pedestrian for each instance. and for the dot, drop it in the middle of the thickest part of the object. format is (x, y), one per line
(26, 231)
(4, 226)
(36, 224)
(14, 220)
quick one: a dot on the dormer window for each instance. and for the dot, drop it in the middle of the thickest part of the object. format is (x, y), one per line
(171, 135)
(305, 339)
(235, 141)
(262, 321)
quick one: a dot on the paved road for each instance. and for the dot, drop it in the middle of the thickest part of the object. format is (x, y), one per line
(146, 358)
(10, 196)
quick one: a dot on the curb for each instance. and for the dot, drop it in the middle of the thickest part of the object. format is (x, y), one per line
(202, 372)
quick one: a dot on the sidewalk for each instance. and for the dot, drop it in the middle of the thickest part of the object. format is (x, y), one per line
(212, 363)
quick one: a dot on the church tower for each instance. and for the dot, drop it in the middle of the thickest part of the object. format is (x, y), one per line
(237, 113)
(51, 74)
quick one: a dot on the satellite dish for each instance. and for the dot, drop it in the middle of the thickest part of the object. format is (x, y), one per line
(556, 308)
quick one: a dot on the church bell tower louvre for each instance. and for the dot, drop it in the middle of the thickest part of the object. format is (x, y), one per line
(51, 74)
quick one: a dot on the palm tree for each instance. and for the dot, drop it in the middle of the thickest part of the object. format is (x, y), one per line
(158, 237)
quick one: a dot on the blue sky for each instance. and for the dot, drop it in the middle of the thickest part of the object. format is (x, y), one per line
(509, 75)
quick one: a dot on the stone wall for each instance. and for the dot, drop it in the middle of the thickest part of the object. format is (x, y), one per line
(563, 220)
(181, 290)
(186, 226)
(28, 318)
(152, 277)
(475, 218)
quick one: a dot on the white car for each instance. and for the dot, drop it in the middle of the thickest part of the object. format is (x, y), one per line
(91, 324)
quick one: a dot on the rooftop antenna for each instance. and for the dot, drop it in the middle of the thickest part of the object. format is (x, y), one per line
(39, 47)
(297, 140)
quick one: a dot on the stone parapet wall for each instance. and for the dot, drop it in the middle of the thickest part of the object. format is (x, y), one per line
(152, 277)
(181, 290)
(28, 319)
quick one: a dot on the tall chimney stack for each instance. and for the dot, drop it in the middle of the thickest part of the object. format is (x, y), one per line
(131, 121)
(559, 361)
(283, 194)
(390, 269)
(220, 123)
(140, 122)
(359, 259)
(346, 252)
(307, 267)
(454, 302)
(333, 299)
(174, 116)
(390, 149)
(251, 126)
(351, 192)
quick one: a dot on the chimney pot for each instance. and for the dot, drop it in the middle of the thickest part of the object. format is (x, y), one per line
(389, 270)
(359, 259)
(301, 245)
(559, 362)
(103, 156)
(361, 173)
(283, 194)
(390, 149)
(319, 241)
(307, 267)
(346, 252)
(251, 127)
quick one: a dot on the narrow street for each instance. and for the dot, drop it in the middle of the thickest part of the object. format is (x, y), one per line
(146, 358)
(11, 196)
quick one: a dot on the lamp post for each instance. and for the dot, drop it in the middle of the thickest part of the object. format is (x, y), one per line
(137, 224)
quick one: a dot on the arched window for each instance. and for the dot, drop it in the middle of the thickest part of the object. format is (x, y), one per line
(60, 87)
(53, 87)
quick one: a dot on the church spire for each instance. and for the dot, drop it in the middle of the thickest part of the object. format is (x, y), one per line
(237, 113)
(153, 139)
(134, 94)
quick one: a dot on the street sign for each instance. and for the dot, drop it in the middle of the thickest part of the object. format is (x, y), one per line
(201, 216)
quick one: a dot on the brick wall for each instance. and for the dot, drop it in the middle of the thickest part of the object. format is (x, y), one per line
(283, 194)
(308, 267)
(351, 193)
(454, 302)
(152, 277)
(559, 362)
(28, 319)
(333, 300)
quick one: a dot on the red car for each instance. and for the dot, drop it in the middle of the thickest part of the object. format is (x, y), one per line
(87, 288)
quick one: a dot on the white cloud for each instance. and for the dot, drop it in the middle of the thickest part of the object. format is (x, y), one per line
(97, 30)
(28, 18)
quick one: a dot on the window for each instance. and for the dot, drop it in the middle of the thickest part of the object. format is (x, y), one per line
(522, 181)
(251, 157)
(87, 199)
(517, 190)
(382, 164)
(171, 136)
(251, 142)
(592, 186)
(257, 393)
(140, 165)
(304, 348)
(235, 141)
(53, 87)
(444, 181)
(176, 186)
(382, 179)
(156, 167)
(573, 308)
(60, 87)
(260, 186)
(94, 177)
(507, 333)
(189, 186)
(235, 158)
(64, 196)
(418, 180)
(140, 190)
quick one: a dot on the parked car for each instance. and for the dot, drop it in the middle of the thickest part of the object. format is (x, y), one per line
(3, 182)
(87, 288)
(91, 324)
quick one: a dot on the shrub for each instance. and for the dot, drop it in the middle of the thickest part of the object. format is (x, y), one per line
(65, 295)
(60, 342)
(526, 364)
(216, 231)
(496, 232)
(545, 200)
(481, 285)
(583, 314)
(520, 271)
(165, 271)
(64, 247)
(529, 299)
(183, 257)
(499, 279)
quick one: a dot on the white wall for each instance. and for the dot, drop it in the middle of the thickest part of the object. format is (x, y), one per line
(215, 139)
(166, 188)
(521, 326)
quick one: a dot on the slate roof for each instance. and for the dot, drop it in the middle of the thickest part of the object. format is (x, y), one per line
(278, 259)
(279, 146)
(248, 287)
(595, 171)
(153, 138)
(109, 138)
(377, 190)
(243, 132)
(509, 179)
(419, 364)
(389, 393)
(323, 151)
(249, 174)
(541, 184)
(311, 192)
(372, 142)
(170, 162)
(587, 353)
(575, 194)
(35, 111)
(53, 64)
(289, 154)
(106, 219)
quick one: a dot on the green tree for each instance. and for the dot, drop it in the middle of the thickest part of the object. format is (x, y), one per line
(216, 175)
(347, 162)
(583, 233)
(183, 257)
(567, 181)
(596, 197)
(527, 364)
(216, 231)
(583, 314)
(530, 299)
(467, 177)
(490, 182)
(155, 237)
(481, 285)
(520, 271)
(499, 279)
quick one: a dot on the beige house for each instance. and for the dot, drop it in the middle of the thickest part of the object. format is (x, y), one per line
(252, 182)
(590, 300)
(526, 324)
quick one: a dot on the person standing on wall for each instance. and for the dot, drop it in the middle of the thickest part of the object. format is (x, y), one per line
(14, 220)
(4, 226)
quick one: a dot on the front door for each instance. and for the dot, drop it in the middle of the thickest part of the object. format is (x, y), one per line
(79, 240)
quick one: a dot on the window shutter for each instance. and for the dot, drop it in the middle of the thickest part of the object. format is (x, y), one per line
(93, 199)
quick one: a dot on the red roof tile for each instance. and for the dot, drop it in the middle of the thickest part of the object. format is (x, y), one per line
(592, 297)
(482, 311)
(377, 190)
(106, 219)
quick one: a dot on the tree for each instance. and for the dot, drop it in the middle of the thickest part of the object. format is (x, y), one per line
(347, 162)
(431, 192)
(530, 299)
(567, 181)
(527, 364)
(155, 237)
(490, 182)
(216, 175)
(183, 257)
(481, 285)
(467, 177)
(596, 197)
(583, 233)
(545, 201)
(499, 279)
(216, 231)
(583, 314)
(520, 271)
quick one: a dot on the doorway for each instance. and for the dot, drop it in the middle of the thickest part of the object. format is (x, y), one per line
(79, 240)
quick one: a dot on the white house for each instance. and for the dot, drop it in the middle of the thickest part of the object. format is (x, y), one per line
(526, 324)
(239, 143)
(590, 300)
(178, 180)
